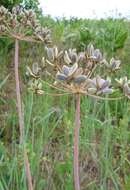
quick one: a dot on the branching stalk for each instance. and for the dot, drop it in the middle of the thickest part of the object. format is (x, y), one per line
(76, 144)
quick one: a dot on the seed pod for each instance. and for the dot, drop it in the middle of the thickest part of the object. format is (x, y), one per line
(40, 92)
(107, 91)
(82, 58)
(73, 55)
(92, 90)
(50, 54)
(61, 76)
(66, 58)
(105, 84)
(97, 55)
(126, 90)
(55, 51)
(73, 69)
(90, 50)
(65, 70)
(2, 28)
(29, 72)
(3, 11)
(35, 68)
(80, 79)
(122, 81)
(39, 85)
(43, 62)
(115, 64)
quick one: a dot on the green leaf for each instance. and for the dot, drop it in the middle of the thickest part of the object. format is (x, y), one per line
(4, 81)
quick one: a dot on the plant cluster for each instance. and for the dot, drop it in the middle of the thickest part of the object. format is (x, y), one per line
(87, 73)
(69, 72)
(109, 34)
(22, 24)
(78, 74)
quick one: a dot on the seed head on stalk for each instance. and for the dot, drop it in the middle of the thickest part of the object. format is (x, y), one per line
(22, 25)
(80, 74)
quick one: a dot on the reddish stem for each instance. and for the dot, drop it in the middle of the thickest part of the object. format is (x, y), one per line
(19, 107)
(76, 144)
(28, 171)
(20, 115)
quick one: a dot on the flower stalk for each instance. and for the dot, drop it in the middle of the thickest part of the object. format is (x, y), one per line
(20, 115)
(18, 96)
(76, 144)
(75, 73)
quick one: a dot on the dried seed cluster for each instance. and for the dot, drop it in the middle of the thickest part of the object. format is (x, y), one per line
(20, 23)
(80, 72)
(124, 84)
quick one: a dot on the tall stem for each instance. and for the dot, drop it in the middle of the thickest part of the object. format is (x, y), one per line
(20, 115)
(18, 96)
(28, 171)
(76, 144)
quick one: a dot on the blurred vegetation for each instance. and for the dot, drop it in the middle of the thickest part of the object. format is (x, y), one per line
(107, 34)
(10, 3)
(27, 4)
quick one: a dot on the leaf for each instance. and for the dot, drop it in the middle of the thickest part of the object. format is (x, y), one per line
(4, 81)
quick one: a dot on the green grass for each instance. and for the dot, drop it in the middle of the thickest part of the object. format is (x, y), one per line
(104, 147)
